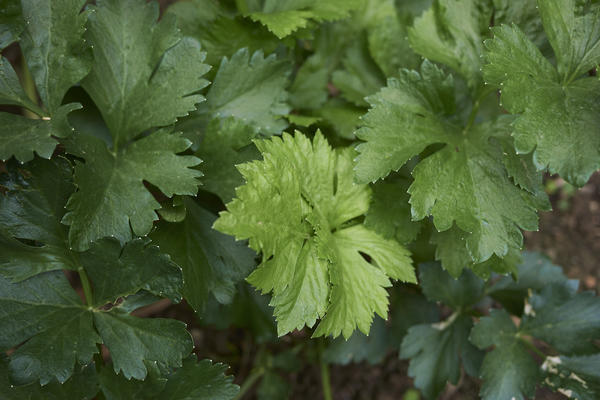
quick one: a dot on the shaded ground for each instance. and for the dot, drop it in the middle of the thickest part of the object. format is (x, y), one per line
(570, 235)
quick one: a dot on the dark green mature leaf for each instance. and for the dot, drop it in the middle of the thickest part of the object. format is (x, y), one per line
(45, 312)
(294, 209)
(407, 309)
(570, 323)
(465, 182)
(11, 91)
(438, 285)
(389, 212)
(22, 137)
(251, 89)
(225, 143)
(284, 17)
(436, 351)
(31, 209)
(524, 14)
(211, 262)
(83, 385)
(111, 199)
(360, 76)
(451, 32)
(575, 377)
(145, 75)
(574, 38)
(557, 106)
(273, 387)
(136, 266)
(58, 58)
(455, 257)
(360, 347)
(54, 48)
(534, 272)
(11, 22)
(132, 340)
(193, 381)
(508, 371)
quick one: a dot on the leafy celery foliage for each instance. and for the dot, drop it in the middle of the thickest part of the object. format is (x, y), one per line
(358, 169)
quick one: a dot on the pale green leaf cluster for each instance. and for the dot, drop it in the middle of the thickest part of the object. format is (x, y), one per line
(282, 17)
(297, 209)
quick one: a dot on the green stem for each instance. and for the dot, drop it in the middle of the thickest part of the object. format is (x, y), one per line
(532, 347)
(475, 108)
(87, 288)
(242, 6)
(249, 382)
(325, 378)
(32, 111)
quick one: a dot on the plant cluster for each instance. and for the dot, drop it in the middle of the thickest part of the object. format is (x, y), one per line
(349, 159)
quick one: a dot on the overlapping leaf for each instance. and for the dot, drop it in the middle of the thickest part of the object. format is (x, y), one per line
(144, 76)
(451, 32)
(508, 371)
(557, 106)
(42, 311)
(250, 88)
(193, 381)
(58, 58)
(211, 262)
(465, 182)
(284, 17)
(295, 208)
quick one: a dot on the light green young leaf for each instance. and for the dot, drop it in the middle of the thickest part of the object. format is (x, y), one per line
(451, 32)
(436, 352)
(286, 16)
(111, 199)
(465, 182)
(508, 371)
(211, 262)
(145, 75)
(54, 48)
(294, 209)
(557, 107)
(251, 89)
